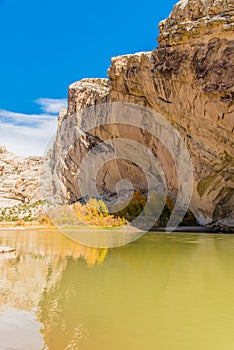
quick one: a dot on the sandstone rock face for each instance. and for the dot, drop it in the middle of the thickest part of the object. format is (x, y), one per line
(63, 162)
(19, 179)
(197, 19)
(189, 80)
(86, 93)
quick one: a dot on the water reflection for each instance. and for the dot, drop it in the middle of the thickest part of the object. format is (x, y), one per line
(34, 270)
(165, 291)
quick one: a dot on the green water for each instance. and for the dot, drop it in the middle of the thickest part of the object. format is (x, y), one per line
(162, 292)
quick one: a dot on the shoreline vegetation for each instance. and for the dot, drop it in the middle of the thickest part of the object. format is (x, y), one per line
(93, 214)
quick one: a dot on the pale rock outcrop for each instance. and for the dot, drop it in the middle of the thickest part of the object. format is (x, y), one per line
(189, 80)
(86, 93)
(64, 163)
(19, 179)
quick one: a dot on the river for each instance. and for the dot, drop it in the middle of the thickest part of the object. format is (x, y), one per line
(162, 292)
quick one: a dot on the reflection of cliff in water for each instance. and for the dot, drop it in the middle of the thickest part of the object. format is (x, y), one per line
(37, 265)
(34, 271)
(142, 292)
(59, 310)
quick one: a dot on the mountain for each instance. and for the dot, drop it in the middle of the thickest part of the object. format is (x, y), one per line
(188, 79)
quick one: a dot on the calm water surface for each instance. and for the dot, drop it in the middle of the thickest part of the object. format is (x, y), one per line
(162, 292)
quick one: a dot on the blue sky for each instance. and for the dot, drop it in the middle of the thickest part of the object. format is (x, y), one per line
(46, 45)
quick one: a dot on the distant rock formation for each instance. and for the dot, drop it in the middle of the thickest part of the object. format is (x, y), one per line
(3, 149)
(19, 179)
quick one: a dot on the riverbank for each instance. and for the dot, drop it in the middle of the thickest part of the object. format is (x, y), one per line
(28, 226)
(195, 229)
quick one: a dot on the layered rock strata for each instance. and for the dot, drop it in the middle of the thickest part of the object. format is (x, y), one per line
(189, 80)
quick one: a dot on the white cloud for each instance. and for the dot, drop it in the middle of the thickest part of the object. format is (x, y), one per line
(29, 134)
(26, 134)
(51, 105)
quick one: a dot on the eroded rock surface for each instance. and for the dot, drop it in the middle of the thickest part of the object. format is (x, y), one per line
(19, 179)
(189, 80)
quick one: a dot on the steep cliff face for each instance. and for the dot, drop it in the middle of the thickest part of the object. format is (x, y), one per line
(189, 80)
(67, 153)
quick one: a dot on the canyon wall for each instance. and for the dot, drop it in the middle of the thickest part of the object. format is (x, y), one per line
(189, 80)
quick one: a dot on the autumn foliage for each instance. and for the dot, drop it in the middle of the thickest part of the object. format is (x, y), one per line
(95, 213)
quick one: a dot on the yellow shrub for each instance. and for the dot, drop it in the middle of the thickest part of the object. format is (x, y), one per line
(95, 213)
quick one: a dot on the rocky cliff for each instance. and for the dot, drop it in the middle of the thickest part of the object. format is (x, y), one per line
(19, 185)
(188, 79)
(19, 178)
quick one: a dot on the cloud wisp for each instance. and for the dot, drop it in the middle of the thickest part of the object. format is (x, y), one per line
(51, 105)
(29, 134)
